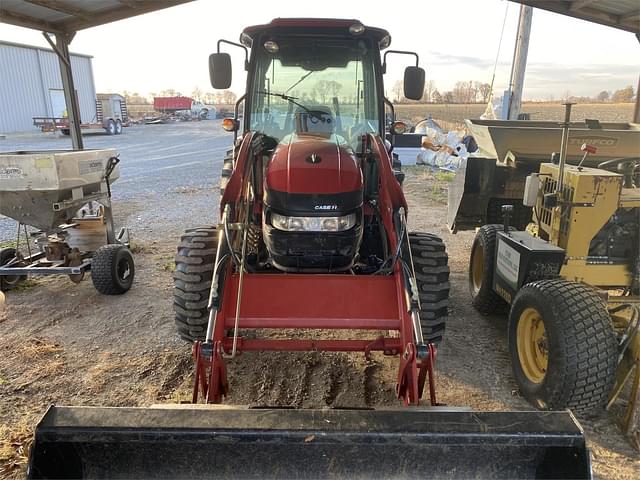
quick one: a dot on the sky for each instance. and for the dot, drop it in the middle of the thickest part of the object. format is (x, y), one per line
(456, 40)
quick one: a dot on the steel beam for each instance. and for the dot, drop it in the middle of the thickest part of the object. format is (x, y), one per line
(520, 61)
(61, 48)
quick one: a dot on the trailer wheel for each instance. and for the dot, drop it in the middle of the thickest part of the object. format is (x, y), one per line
(9, 282)
(66, 131)
(430, 262)
(118, 127)
(563, 347)
(227, 170)
(481, 268)
(110, 128)
(192, 281)
(112, 269)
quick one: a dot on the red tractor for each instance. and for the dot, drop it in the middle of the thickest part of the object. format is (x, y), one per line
(313, 234)
(313, 231)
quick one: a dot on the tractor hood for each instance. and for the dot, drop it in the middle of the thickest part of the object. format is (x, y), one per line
(313, 164)
(313, 175)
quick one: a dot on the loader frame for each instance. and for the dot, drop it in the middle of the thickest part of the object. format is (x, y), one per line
(314, 301)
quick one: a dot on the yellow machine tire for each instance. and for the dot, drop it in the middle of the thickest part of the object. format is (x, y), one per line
(579, 339)
(481, 267)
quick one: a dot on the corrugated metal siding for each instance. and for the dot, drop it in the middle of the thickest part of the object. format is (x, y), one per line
(27, 76)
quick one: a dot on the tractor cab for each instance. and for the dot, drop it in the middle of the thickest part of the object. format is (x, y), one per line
(314, 75)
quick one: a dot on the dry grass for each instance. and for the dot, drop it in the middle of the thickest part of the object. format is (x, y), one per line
(15, 441)
(36, 348)
(102, 371)
(423, 181)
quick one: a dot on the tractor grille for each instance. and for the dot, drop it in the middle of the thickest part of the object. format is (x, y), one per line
(549, 186)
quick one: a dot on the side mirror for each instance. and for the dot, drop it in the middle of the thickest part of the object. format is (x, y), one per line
(220, 70)
(398, 128)
(414, 83)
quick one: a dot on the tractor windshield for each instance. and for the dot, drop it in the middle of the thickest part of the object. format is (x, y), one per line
(326, 85)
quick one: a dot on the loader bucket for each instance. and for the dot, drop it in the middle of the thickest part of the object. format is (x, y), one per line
(194, 442)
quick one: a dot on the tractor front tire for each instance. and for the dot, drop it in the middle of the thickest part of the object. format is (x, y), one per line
(112, 269)
(481, 270)
(563, 347)
(227, 170)
(192, 280)
(9, 282)
(430, 262)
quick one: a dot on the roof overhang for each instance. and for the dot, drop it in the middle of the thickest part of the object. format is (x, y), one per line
(69, 16)
(621, 14)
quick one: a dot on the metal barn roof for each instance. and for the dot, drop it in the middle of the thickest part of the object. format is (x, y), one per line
(622, 14)
(68, 16)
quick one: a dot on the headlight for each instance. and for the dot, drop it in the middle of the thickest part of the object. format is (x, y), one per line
(313, 224)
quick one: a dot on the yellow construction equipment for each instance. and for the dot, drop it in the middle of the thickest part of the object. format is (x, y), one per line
(572, 281)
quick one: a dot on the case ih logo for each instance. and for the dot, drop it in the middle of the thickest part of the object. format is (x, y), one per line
(597, 141)
(326, 207)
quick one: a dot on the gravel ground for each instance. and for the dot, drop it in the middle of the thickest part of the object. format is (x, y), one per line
(67, 344)
(160, 165)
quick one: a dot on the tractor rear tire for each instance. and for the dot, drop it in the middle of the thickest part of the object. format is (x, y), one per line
(578, 344)
(9, 282)
(192, 280)
(227, 170)
(430, 261)
(112, 269)
(481, 269)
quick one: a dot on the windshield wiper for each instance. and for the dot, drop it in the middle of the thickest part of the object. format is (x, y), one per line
(298, 82)
(293, 100)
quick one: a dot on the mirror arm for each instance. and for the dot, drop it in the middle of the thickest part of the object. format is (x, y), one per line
(235, 117)
(393, 110)
(399, 52)
(246, 51)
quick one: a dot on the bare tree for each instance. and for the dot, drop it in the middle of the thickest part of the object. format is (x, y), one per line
(465, 92)
(436, 97)
(209, 98)
(603, 96)
(429, 87)
(229, 97)
(624, 95)
(398, 91)
(196, 94)
(326, 88)
(484, 90)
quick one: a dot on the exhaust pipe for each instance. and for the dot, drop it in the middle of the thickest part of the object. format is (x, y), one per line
(204, 442)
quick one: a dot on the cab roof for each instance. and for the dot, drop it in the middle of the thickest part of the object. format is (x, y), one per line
(311, 26)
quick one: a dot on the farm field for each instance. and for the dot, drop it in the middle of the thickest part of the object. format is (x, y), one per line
(456, 113)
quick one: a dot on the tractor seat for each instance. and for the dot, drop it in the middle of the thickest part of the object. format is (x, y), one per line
(316, 120)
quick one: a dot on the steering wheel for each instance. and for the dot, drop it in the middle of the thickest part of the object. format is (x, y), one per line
(625, 166)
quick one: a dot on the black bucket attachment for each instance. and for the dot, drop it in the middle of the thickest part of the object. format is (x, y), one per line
(195, 442)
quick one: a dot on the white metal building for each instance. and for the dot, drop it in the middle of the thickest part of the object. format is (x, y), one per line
(31, 86)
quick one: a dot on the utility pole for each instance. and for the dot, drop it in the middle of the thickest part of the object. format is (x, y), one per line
(636, 110)
(519, 65)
